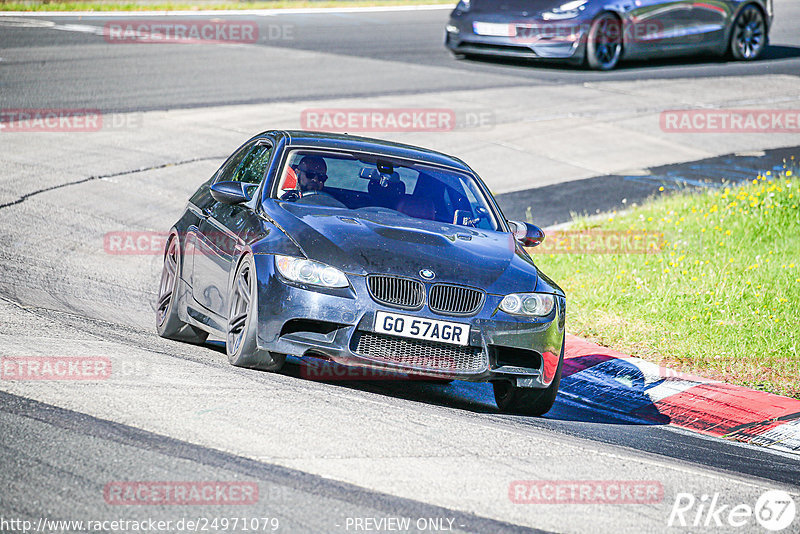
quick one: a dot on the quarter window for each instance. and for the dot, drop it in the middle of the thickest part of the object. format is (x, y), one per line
(248, 165)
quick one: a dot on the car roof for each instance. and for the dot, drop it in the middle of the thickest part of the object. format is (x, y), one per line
(365, 144)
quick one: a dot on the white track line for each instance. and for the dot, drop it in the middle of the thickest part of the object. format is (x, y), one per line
(218, 12)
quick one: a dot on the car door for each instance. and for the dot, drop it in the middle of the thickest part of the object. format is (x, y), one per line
(708, 20)
(226, 228)
(656, 26)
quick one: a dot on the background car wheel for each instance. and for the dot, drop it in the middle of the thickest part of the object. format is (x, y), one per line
(527, 401)
(240, 341)
(604, 42)
(749, 34)
(168, 323)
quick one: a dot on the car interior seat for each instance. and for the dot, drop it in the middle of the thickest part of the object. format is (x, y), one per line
(389, 196)
(419, 207)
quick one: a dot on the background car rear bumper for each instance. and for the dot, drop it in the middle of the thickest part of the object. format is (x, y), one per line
(338, 325)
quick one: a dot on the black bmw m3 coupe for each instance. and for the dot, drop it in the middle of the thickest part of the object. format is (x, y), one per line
(365, 253)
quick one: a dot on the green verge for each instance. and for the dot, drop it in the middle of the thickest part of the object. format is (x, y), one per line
(156, 5)
(717, 295)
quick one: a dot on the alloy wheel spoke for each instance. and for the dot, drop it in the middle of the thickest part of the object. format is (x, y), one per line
(171, 265)
(236, 323)
(243, 289)
(166, 283)
(163, 302)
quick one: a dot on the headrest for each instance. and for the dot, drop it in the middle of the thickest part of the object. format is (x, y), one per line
(290, 181)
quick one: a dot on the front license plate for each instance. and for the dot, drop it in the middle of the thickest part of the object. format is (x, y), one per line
(419, 328)
(492, 29)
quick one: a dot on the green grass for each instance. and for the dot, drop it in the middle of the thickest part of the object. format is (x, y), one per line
(156, 5)
(719, 296)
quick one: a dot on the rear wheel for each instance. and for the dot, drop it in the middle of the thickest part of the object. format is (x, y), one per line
(168, 323)
(527, 401)
(749, 34)
(241, 339)
(604, 42)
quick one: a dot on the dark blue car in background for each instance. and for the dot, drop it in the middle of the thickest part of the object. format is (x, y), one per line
(600, 33)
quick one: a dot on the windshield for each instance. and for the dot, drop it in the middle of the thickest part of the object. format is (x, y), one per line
(361, 181)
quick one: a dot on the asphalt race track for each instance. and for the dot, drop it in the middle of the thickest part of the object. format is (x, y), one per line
(308, 57)
(326, 456)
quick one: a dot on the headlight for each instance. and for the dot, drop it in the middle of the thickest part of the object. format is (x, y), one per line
(570, 10)
(464, 5)
(310, 272)
(536, 304)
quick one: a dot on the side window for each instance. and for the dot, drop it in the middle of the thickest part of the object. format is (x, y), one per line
(248, 165)
(225, 174)
(254, 165)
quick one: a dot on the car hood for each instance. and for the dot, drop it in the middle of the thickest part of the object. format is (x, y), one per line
(375, 241)
(514, 6)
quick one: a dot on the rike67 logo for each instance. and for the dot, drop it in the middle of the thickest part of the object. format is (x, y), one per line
(774, 510)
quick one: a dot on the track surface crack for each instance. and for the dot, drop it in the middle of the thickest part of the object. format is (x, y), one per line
(26, 196)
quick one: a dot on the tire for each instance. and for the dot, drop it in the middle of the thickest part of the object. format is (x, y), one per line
(604, 42)
(242, 327)
(527, 401)
(748, 34)
(168, 324)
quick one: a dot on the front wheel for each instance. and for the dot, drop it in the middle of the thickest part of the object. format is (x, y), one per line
(527, 401)
(604, 42)
(241, 339)
(749, 34)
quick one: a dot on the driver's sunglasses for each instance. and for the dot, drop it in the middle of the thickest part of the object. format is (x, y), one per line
(316, 176)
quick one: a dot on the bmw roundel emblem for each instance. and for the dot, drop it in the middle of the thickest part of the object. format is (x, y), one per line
(427, 274)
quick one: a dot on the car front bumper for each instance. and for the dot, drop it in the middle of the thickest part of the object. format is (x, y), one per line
(338, 325)
(527, 39)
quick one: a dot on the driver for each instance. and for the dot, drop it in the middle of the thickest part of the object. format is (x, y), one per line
(311, 174)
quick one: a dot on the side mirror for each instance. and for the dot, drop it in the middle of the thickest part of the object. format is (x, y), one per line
(528, 235)
(231, 192)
